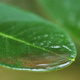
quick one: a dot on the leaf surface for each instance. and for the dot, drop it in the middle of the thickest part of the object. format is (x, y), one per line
(28, 42)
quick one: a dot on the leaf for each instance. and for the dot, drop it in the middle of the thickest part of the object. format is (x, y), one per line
(65, 13)
(28, 42)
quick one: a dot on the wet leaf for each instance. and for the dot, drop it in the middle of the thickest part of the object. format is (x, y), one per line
(27, 42)
(65, 13)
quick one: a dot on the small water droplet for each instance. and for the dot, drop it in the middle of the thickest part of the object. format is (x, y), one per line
(46, 35)
(49, 41)
(42, 43)
(33, 43)
(52, 46)
(55, 46)
(66, 47)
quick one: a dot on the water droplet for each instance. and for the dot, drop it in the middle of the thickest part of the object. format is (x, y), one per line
(42, 65)
(49, 41)
(72, 44)
(59, 35)
(41, 44)
(66, 47)
(46, 35)
(55, 46)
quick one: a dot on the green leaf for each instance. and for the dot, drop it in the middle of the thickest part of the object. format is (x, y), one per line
(65, 13)
(27, 42)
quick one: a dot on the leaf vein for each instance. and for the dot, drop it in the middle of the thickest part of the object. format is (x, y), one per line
(29, 44)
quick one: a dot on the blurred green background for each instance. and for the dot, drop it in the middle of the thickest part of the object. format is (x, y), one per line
(70, 73)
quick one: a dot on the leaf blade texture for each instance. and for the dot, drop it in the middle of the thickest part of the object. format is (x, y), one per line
(28, 42)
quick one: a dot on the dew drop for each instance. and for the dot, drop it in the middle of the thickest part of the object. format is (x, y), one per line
(66, 47)
(55, 46)
(49, 41)
(41, 43)
(46, 35)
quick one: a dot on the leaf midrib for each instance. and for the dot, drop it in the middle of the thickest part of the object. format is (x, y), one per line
(29, 44)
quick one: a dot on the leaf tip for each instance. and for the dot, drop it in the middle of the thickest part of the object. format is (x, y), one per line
(73, 59)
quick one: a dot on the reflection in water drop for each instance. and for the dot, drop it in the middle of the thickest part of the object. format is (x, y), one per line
(49, 41)
(55, 47)
(46, 69)
(46, 35)
(42, 44)
(66, 47)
